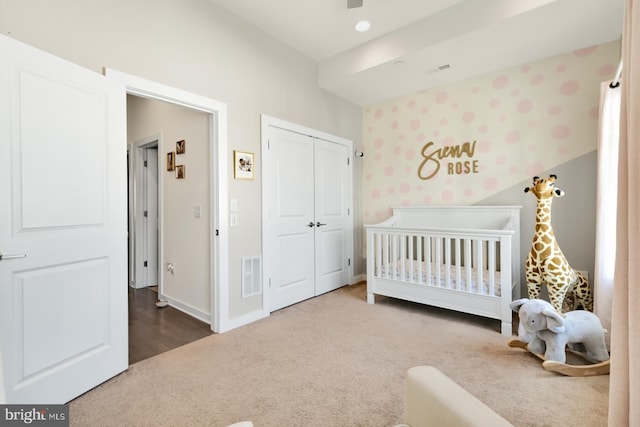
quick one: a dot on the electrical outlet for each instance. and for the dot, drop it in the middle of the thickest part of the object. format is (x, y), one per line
(233, 219)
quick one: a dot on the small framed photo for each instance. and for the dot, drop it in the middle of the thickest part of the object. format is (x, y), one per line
(171, 161)
(242, 165)
(180, 172)
(181, 146)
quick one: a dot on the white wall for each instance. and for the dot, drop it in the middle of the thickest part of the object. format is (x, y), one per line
(196, 46)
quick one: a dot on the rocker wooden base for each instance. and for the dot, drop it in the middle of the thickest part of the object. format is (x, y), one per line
(601, 368)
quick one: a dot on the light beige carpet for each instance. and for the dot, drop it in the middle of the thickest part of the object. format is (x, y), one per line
(336, 361)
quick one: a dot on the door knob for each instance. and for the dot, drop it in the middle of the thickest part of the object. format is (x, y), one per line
(311, 224)
(319, 224)
(12, 256)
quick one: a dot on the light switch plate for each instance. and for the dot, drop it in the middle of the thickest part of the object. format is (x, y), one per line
(233, 205)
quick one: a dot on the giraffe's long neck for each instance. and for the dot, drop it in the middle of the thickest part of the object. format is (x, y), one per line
(543, 213)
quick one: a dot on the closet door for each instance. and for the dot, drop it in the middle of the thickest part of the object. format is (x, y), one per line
(331, 215)
(289, 232)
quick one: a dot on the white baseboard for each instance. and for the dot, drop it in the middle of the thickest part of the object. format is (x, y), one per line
(359, 278)
(187, 309)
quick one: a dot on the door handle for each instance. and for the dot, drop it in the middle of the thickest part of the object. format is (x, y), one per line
(319, 224)
(311, 224)
(12, 256)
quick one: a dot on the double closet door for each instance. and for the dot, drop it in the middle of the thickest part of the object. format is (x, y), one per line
(307, 223)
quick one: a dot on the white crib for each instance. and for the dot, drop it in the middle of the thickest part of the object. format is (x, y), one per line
(464, 258)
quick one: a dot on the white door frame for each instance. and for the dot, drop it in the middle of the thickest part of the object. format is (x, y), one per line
(266, 122)
(138, 232)
(219, 262)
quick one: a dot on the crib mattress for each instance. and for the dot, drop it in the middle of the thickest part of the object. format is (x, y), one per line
(395, 270)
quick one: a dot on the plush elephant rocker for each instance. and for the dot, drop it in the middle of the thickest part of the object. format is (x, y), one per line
(548, 332)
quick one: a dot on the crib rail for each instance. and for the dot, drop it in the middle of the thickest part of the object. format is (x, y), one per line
(461, 260)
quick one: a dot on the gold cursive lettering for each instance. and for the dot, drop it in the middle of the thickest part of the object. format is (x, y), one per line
(431, 160)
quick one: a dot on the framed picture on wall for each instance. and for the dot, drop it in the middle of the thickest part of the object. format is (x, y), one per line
(242, 165)
(180, 172)
(181, 146)
(171, 161)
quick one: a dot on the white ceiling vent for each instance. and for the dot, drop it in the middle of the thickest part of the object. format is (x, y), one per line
(251, 280)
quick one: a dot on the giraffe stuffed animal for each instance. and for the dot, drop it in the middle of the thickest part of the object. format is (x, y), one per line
(546, 264)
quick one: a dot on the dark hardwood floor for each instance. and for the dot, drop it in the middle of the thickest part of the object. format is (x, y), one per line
(154, 330)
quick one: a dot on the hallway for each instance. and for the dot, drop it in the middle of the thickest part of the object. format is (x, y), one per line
(153, 330)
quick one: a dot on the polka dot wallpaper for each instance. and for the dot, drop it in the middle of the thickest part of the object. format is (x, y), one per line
(461, 143)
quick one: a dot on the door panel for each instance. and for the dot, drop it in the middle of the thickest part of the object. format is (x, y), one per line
(63, 307)
(291, 256)
(331, 212)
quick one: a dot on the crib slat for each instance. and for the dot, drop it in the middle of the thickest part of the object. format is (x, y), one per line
(492, 267)
(419, 244)
(479, 265)
(458, 261)
(410, 256)
(468, 263)
(447, 262)
(427, 258)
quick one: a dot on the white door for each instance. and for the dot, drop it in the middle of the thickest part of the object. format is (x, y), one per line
(151, 218)
(291, 224)
(331, 215)
(306, 229)
(63, 307)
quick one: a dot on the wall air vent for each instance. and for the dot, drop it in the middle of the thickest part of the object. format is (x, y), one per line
(251, 280)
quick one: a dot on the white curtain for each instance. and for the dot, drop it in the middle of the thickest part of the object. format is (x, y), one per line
(606, 201)
(624, 382)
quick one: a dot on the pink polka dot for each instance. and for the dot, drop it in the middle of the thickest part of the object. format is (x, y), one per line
(525, 106)
(513, 137)
(427, 200)
(525, 68)
(561, 132)
(378, 142)
(411, 104)
(405, 188)
(397, 150)
(483, 128)
(490, 184)
(502, 117)
(513, 170)
(501, 160)
(468, 117)
(414, 124)
(483, 146)
(377, 157)
(441, 97)
(401, 136)
(406, 202)
(408, 168)
(375, 194)
(534, 169)
(563, 151)
(391, 191)
(569, 87)
(468, 192)
(418, 187)
(536, 80)
(532, 124)
(515, 92)
(585, 51)
(378, 114)
(500, 81)
(394, 125)
(425, 110)
(370, 128)
(531, 148)
(410, 154)
(594, 112)
(369, 177)
(421, 137)
(554, 110)
(475, 90)
(454, 106)
(394, 109)
(367, 214)
(607, 70)
(561, 68)
(494, 103)
(447, 195)
(443, 122)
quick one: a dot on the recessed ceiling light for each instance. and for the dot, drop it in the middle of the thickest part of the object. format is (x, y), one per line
(363, 26)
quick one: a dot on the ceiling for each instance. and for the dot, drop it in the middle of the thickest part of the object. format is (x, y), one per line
(418, 44)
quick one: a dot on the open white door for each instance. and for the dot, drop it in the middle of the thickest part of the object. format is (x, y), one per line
(63, 307)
